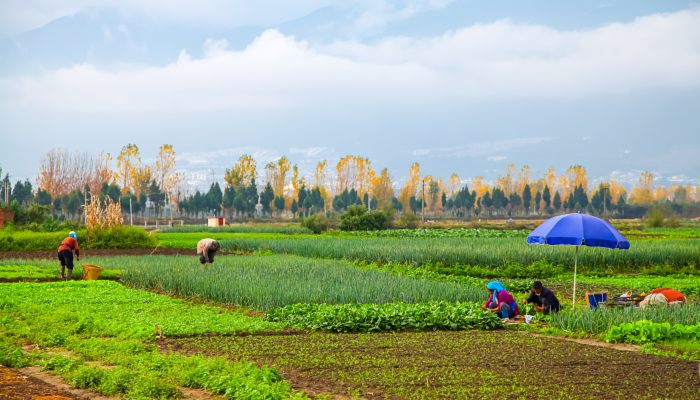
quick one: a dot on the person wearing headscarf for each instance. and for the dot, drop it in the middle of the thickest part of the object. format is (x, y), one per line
(500, 301)
(65, 254)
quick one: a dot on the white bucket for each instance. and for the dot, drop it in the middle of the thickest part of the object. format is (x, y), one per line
(529, 318)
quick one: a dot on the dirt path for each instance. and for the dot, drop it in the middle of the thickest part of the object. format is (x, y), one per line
(15, 385)
(594, 342)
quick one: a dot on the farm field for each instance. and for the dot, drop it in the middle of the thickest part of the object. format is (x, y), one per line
(288, 314)
(450, 365)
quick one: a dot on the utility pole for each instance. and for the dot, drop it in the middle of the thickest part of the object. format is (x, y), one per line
(605, 208)
(422, 201)
(131, 214)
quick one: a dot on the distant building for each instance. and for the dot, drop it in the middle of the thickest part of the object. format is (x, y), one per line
(216, 221)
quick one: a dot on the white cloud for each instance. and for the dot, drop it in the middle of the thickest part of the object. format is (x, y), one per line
(481, 149)
(484, 62)
(311, 152)
(21, 15)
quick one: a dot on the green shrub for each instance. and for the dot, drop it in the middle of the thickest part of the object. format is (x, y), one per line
(408, 220)
(357, 218)
(122, 237)
(316, 223)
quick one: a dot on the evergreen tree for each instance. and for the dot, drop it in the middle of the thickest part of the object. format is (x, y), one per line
(527, 198)
(556, 202)
(546, 196)
(266, 198)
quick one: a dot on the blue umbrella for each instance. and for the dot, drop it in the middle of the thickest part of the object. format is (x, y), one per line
(578, 230)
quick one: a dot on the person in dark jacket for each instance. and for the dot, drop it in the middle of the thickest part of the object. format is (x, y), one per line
(543, 298)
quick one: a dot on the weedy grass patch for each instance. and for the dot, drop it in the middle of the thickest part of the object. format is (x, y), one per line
(99, 335)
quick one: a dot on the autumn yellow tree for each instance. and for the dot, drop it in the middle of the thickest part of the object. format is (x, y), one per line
(577, 176)
(141, 178)
(354, 172)
(128, 166)
(480, 187)
(410, 187)
(165, 167)
(53, 173)
(550, 179)
(454, 185)
(382, 188)
(506, 182)
(616, 190)
(101, 172)
(62, 172)
(276, 174)
(243, 172)
(524, 177)
(321, 181)
(643, 192)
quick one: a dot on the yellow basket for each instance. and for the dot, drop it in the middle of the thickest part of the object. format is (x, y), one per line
(91, 272)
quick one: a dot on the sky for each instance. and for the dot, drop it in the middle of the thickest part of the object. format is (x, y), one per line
(458, 86)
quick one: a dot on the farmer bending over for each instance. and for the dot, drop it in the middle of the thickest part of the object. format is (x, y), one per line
(543, 298)
(206, 249)
(663, 296)
(65, 254)
(500, 301)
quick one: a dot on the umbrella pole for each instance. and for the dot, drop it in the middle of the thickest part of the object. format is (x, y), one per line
(573, 306)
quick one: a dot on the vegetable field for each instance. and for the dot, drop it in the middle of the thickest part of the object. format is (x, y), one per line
(283, 313)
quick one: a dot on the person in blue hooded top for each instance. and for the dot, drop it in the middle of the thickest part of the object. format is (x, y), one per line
(500, 301)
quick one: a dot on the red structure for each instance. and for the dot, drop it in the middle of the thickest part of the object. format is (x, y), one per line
(6, 216)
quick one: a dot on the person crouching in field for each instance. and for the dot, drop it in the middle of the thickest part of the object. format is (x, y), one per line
(543, 298)
(500, 301)
(206, 249)
(65, 254)
(663, 296)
